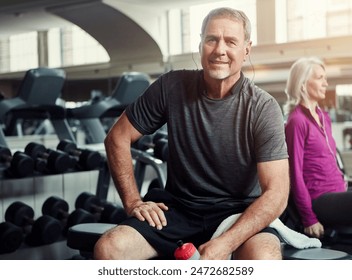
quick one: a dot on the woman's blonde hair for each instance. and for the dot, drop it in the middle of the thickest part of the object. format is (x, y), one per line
(300, 72)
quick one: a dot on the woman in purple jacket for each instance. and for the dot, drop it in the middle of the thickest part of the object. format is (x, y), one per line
(318, 187)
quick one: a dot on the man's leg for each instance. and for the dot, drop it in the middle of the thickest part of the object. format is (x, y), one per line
(123, 243)
(262, 246)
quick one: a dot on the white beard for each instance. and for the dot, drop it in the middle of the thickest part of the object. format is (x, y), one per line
(219, 74)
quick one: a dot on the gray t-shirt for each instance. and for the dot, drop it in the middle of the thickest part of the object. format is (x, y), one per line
(214, 144)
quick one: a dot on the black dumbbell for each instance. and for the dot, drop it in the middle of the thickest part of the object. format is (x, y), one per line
(147, 142)
(18, 165)
(105, 212)
(85, 158)
(54, 161)
(112, 214)
(44, 230)
(11, 237)
(58, 208)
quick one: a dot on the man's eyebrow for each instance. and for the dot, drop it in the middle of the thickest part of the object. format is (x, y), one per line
(233, 38)
(211, 36)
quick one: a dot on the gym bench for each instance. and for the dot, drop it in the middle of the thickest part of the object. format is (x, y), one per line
(83, 237)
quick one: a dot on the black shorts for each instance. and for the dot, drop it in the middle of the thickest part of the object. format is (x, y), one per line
(181, 225)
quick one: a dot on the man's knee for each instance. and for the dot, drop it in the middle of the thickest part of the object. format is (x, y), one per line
(123, 242)
(262, 246)
(108, 245)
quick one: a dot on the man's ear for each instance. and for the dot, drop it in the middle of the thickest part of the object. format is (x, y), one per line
(200, 47)
(248, 47)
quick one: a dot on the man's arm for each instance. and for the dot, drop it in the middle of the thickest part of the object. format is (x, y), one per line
(118, 150)
(274, 181)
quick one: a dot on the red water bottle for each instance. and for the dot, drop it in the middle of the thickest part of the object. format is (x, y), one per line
(186, 251)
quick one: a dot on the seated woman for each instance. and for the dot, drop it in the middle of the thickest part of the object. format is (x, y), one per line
(318, 187)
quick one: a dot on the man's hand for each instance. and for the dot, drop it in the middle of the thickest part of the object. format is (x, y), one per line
(214, 249)
(151, 212)
(316, 230)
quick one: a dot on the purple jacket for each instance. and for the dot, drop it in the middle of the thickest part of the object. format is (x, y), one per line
(312, 157)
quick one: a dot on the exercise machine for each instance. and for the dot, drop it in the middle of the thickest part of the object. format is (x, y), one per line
(128, 88)
(36, 101)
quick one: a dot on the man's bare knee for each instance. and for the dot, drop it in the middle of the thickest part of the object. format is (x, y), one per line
(107, 245)
(123, 242)
(262, 246)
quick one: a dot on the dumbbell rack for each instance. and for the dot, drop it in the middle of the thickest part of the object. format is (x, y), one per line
(34, 190)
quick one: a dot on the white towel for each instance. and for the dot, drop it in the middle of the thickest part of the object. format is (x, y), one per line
(291, 237)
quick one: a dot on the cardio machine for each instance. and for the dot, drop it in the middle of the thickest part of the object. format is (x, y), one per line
(36, 101)
(128, 88)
